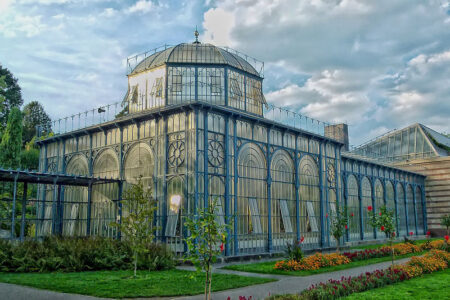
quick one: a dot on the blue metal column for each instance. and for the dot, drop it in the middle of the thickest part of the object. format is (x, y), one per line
(196, 200)
(361, 219)
(327, 198)
(235, 225)
(44, 187)
(322, 198)
(297, 188)
(205, 160)
(55, 206)
(396, 207)
(337, 172)
(227, 186)
(405, 192)
(61, 197)
(269, 195)
(89, 209)
(24, 211)
(119, 234)
(424, 209)
(345, 186)
(13, 211)
(415, 209)
(166, 167)
(375, 208)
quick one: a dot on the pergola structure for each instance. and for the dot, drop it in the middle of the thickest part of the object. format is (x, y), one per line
(58, 182)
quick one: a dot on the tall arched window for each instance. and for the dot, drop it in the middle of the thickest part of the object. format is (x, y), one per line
(75, 199)
(353, 208)
(283, 198)
(366, 197)
(410, 208)
(309, 199)
(175, 209)
(104, 196)
(390, 200)
(419, 207)
(401, 209)
(379, 202)
(139, 162)
(252, 199)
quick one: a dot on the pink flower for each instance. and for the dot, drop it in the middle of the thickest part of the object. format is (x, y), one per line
(380, 214)
(302, 238)
(221, 247)
(346, 227)
(352, 214)
(369, 208)
(411, 233)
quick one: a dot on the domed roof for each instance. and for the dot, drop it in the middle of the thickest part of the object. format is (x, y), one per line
(195, 53)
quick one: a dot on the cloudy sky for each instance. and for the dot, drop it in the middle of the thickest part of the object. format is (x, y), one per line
(376, 65)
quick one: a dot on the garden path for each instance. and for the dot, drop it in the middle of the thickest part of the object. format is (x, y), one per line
(285, 284)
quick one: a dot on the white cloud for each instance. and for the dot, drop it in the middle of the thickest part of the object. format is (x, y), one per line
(142, 7)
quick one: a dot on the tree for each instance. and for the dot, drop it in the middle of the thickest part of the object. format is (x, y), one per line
(34, 115)
(205, 242)
(137, 228)
(12, 95)
(339, 224)
(11, 143)
(385, 221)
(29, 157)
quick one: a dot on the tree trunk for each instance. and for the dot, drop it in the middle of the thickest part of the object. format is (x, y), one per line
(206, 283)
(135, 263)
(337, 245)
(210, 281)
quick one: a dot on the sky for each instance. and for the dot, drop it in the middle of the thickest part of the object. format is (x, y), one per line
(375, 65)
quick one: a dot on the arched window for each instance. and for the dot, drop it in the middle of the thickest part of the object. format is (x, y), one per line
(410, 208)
(366, 197)
(283, 198)
(252, 199)
(401, 209)
(353, 208)
(419, 207)
(104, 196)
(139, 162)
(379, 202)
(75, 199)
(390, 200)
(309, 199)
(175, 208)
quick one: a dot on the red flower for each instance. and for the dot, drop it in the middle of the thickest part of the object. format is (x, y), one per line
(446, 238)
(411, 233)
(380, 214)
(393, 234)
(428, 233)
(302, 238)
(346, 227)
(352, 214)
(369, 208)
(326, 216)
(382, 228)
(221, 247)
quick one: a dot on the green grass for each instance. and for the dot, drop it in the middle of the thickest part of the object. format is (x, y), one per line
(430, 286)
(268, 267)
(120, 284)
(373, 246)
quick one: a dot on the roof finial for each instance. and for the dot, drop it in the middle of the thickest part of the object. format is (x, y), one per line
(196, 36)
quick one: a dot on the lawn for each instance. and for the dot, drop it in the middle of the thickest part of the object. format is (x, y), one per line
(120, 284)
(431, 286)
(268, 267)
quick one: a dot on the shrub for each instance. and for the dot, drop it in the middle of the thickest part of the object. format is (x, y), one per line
(411, 271)
(294, 250)
(78, 254)
(368, 253)
(428, 264)
(405, 248)
(313, 262)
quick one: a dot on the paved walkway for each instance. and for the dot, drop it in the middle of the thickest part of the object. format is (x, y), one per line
(284, 285)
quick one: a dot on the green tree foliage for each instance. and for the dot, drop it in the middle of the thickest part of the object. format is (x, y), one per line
(29, 157)
(34, 115)
(136, 226)
(445, 221)
(384, 220)
(11, 143)
(338, 226)
(205, 242)
(12, 96)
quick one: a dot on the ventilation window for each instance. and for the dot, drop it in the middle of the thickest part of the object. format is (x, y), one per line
(173, 216)
(236, 92)
(285, 218)
(216, 85)
(255, 216)
(132, 95)
(177, 84)
(312, 222)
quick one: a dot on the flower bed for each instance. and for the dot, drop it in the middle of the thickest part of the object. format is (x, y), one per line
(433, 261)
(368, 253)
(313, 262)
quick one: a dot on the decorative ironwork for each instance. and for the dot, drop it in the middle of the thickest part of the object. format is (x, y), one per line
(331, 173)
(176, 153)
(215, 153)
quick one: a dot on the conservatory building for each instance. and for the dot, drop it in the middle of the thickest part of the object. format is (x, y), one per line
(195, 125)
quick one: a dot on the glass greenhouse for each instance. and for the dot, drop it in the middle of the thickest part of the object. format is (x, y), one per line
(195, 125)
